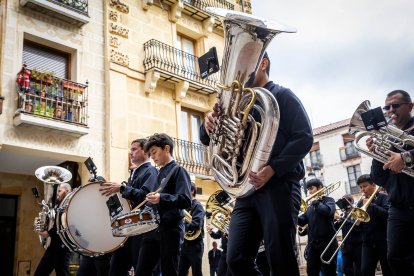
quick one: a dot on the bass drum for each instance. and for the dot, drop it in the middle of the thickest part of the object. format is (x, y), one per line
(84, 224)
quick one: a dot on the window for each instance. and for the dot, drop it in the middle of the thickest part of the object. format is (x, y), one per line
(43, 59)
(190, 124)
(315, 157)
(186, 57)
(353, 173)
(350, 149)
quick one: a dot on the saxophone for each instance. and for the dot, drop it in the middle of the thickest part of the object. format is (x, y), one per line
(237, 135)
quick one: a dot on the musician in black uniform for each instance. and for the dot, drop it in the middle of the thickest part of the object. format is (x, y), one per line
(165, 241)
(192, 250)
(143, 180)
(57, 255)
(270, 213)
(399, 186)
(222, 265)
(320, 220)
(214, 256)
(374, 232)
(352, 246)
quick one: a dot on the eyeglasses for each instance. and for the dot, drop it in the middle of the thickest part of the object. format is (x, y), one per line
(394, 106)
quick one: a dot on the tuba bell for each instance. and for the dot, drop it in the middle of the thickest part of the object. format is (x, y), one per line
(236, 133)
(51, 176)
(386, 138)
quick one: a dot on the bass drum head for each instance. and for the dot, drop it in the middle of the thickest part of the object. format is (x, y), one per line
(89, 223)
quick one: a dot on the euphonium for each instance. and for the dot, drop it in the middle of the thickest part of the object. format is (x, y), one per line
(190, 234)
(220, 212)
(51, 176)
(386, 138)
(236, 133)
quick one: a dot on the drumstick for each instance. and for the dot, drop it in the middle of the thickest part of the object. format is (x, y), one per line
(145, 201)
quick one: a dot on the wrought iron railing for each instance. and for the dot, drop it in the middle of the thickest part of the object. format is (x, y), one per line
(348, 152)
(43, 95)
(203, 4)
(193, 157)
(76, 5)
(174, 61)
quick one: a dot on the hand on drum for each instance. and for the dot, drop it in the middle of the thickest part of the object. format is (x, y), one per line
(109, 188)
(154, 198)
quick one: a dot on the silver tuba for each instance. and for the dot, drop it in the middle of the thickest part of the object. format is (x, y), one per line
(386, 138)
(51, 176)
(237, 135)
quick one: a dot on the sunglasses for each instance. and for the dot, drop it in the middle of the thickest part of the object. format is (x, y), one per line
(394, 106)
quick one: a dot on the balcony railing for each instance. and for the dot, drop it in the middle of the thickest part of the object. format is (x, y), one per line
(176, 64)
(312, 163)
(348, 152)
(72, 11)
(193, 157)
(49, 97)
(203, 4)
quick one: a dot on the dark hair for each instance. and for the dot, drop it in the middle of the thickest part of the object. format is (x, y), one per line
(364, 178)
(405, 96)
(159, 140)
(141, 142)
(266, 56)
(314, 182)
(193, 189)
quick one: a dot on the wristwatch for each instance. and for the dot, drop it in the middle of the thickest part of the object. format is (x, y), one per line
(407, 158)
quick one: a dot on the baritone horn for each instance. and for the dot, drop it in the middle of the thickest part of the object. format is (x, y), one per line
(304, 202)
(191, 234)
(359, 215)
(386, 138)
(236, 134)
(219, 206)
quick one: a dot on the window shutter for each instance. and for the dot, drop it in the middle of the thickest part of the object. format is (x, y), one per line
(45, 59)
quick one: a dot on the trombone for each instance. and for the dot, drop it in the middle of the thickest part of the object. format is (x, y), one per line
(322, 192)
(358, 214)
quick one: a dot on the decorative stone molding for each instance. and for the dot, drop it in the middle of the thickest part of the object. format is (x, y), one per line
(208, 25)
(181, 89)
(151, 79)
(114, 41)
(113, 15)
(119, 58)
(176, 9)
(119, 6)
(118, 30)
(146, 4)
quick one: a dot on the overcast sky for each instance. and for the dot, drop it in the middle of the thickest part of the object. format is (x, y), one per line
(344, 52)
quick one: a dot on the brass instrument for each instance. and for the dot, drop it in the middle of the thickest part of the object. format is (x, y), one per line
(51, 176)
(193, 234)
(304, 202)
(386, 138)
(221, 212)
(359, 215)
(236, 133)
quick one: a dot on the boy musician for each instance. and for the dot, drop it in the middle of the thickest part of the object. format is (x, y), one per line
(320, 219)
(352, 246)
(374, 232)
(143, 180)
(192, 250)
(164, 242)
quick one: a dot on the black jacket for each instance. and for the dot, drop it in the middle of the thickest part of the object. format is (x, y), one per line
(400, 186)
(213, 260)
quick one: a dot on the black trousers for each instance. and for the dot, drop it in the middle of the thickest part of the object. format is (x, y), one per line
(351, 259)
(261, 261)
(91, 266)
(222, 265)
(269, 214)
(314, 263)
(372, 252)
(56, 257)
(160, 244)
(401, 240)
(125, 257)
(191, 256)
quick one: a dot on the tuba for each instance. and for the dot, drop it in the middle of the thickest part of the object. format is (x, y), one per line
(386, 138)
(218, 206)
(236, 134)
(51, 176)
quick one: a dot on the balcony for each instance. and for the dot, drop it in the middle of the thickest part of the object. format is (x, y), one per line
(48, 101)
(174, 65)
(348, 153)
(313, 163)
(74, 12)
(193, 157)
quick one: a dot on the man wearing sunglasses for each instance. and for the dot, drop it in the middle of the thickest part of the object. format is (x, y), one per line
(400, 186)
